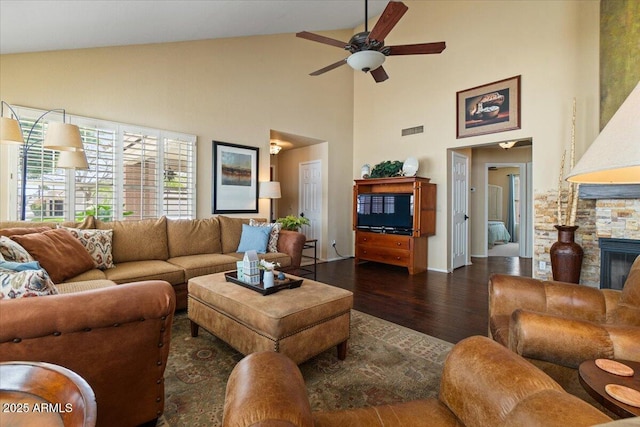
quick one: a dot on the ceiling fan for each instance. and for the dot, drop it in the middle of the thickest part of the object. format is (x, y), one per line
(368, 51)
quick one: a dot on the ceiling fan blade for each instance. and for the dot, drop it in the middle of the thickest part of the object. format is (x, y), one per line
(379, 74)
(329, 67)
(389, 18)
(321, 39)
(417, 49)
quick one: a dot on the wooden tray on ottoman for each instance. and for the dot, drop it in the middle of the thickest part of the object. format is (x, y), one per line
(287, 283)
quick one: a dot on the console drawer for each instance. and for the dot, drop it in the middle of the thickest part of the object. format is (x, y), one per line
(386, 255)
(391, 241)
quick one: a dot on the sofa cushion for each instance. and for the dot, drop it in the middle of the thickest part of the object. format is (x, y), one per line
(230, 232)
(19, 280)
(136, 271)
(98, 243)
(13, 251)
(58, 252)
(86, 285)
(202, 264)
(138, 240)
(87, 223)
(193, 236)
(254, 239)
(93, 274)
(272, 246)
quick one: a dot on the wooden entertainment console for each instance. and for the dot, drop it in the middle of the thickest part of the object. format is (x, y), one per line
(409, 251)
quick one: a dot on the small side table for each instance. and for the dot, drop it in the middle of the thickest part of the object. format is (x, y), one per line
(25, 387)
(594, 379)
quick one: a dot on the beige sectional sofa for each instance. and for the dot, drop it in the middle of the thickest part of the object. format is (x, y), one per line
(174, 250)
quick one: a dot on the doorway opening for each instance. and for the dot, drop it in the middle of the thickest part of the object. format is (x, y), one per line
(298, 156)
(517, 210)
(506, 208)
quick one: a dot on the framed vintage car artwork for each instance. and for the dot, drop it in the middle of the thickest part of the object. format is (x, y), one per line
(235, 178)
(490, 108)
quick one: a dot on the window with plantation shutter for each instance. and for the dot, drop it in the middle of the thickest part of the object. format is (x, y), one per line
(178, 177)
(133, 173)
(95, 189)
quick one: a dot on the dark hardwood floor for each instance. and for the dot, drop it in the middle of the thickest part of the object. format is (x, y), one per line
(447, 306)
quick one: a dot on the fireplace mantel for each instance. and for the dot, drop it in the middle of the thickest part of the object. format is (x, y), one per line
(609, 191)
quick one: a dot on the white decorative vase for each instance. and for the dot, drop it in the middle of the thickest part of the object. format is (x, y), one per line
(267, 279)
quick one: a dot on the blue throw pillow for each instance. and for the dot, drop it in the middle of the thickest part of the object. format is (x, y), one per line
(20, 266)
(254, 238)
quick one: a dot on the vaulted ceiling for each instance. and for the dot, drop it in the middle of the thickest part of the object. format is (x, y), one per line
(43, 25)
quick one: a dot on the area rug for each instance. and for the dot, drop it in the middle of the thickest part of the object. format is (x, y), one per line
(385, 363)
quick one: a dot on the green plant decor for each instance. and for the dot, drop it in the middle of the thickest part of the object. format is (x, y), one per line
(293, 223)
(386, 169)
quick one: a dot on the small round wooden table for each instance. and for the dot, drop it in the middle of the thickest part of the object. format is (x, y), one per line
(594, 379)
(44, 394)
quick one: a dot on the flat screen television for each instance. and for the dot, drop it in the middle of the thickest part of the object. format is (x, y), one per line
(385, 212)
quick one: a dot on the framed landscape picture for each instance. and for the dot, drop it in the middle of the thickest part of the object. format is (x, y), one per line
(235, 178)
(490, 108)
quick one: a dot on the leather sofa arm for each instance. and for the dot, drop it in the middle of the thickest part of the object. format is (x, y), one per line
(117, 338)
(569, 342)
(509, 293)
(292, 243)
(484, 383)
(266, 389)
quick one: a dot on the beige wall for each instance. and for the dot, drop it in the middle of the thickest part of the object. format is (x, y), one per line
(553, 45)
(236, 90)
(232, 90)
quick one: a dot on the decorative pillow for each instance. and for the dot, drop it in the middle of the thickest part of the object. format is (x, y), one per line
(272, 246)
(13, 251)
(58, 252)
(254, 238)
(26, 281)
(98, 243)
(20, 266)
(22, 230)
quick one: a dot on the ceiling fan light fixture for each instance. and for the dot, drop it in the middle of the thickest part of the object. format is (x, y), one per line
(366, 60)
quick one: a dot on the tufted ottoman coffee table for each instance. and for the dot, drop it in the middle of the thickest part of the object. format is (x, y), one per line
(300, 322)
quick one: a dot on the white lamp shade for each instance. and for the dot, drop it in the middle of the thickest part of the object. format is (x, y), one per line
(10, 132)
(72, 160)
(366, 60)
(62, 137)
(614, 156)
(270, 190)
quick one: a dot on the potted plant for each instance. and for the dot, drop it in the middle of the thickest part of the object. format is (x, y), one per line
(292, 222)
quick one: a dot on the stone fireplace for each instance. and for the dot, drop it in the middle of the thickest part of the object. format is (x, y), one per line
(598, 218)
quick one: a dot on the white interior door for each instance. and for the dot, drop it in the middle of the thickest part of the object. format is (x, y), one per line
(460, 207)
(310, 197)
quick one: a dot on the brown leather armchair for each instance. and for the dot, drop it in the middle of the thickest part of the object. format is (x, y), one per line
(483, 384)
(558, 325)
(116, 338)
